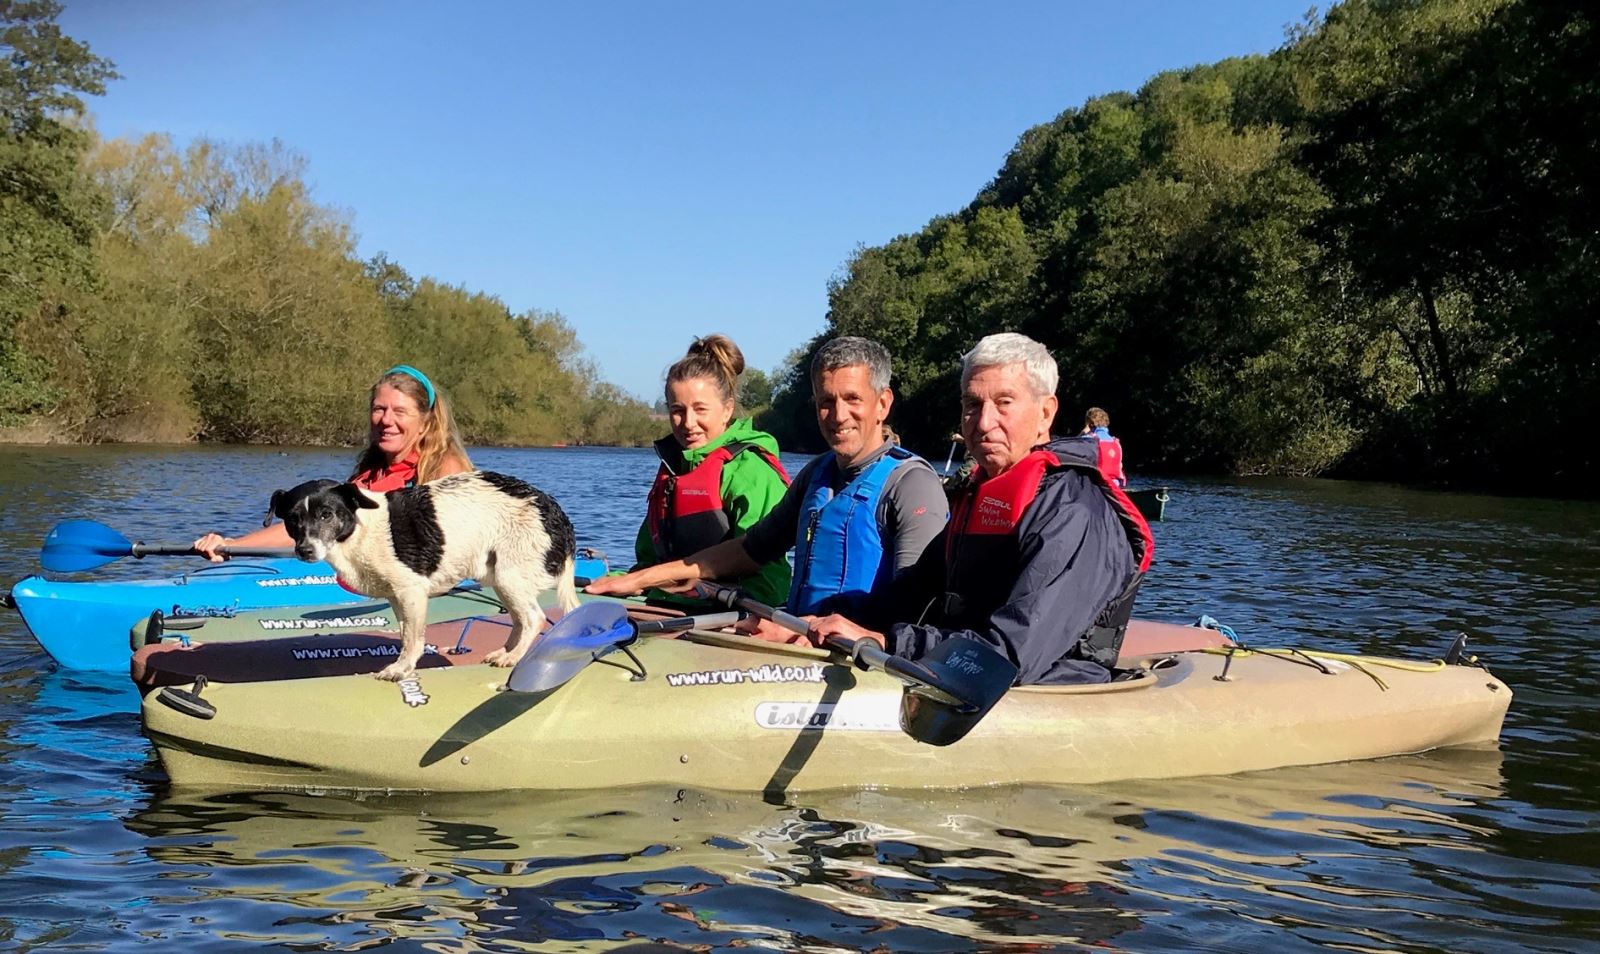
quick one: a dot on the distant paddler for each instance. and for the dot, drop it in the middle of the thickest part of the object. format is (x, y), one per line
(1097, 423)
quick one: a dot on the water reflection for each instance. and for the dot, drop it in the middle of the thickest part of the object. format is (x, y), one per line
(1390, 845)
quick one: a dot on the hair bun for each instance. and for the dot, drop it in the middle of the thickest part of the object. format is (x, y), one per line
(722, 350)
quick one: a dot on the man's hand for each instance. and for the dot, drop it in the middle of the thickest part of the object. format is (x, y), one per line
(769, 631)
(835, 625)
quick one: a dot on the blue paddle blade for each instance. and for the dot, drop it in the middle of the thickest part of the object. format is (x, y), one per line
(576, 640)
(82, 545)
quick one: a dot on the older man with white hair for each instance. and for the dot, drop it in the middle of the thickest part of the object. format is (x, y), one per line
(1042, 556)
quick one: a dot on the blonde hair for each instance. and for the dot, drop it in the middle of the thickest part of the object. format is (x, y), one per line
(438, 441)
(715, 357)
(1096, 417)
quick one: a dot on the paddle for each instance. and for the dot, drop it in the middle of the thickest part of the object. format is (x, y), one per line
(587, 633)
(948, 691)
(85, 545)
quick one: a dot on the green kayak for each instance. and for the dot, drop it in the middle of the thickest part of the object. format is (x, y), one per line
(1152, 502)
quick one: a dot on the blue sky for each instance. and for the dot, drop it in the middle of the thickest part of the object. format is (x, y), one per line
(652, 171)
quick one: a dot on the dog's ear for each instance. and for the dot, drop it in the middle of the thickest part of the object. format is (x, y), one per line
(354, 498)
(284, 500)
(272, 508)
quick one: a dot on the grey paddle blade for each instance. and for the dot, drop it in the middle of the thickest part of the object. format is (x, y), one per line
(576, 640)
(957, 669)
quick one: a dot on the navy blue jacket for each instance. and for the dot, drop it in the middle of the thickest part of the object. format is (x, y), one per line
(1073, 557)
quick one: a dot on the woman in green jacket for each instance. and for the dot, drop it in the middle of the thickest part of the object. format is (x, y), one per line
(718, 474)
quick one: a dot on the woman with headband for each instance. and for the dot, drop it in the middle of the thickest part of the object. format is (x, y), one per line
(411, 440)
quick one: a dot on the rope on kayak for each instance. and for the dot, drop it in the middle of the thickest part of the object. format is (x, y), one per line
(476, 593)
(1311, 657)
(222, 612)
(1207, 622)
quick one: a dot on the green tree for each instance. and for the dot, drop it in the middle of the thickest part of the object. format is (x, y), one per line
(47, 208)
(288, 330)
(755, 391)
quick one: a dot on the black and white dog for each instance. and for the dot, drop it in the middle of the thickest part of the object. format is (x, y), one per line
(407, 545)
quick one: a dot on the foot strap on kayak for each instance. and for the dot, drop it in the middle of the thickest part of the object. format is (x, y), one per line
(636, 672)
(461, 643)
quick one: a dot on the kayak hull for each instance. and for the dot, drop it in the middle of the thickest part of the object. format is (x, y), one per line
(1152, 502)
(84, 625)
(743, 716)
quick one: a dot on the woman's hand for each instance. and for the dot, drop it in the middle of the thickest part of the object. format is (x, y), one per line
(208, 545)
(625, 584)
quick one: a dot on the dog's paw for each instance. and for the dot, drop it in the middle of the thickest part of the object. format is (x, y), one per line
(394, 672)
(503, 658)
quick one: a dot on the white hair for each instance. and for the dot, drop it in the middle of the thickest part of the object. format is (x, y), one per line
(1008, 347)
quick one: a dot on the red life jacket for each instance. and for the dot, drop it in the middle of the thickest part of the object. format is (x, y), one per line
(983, 552)
(685, 513)
(1111, 461)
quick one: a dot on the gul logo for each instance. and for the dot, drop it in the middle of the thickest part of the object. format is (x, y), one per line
(411, 692)
(693, 492)
(993, 512)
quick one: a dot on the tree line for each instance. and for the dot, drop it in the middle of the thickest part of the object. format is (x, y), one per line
(1370, 253)
(156, 293)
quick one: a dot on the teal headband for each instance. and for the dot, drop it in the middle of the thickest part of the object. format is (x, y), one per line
(422, 379)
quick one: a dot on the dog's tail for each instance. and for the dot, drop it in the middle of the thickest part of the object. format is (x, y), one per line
(567, 587)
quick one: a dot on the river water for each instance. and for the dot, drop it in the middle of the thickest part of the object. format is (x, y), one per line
(1464, 850)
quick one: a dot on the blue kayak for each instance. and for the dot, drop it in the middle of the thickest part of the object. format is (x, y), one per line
(84, 625)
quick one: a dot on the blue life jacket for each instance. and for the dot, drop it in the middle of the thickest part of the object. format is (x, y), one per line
(839, 554)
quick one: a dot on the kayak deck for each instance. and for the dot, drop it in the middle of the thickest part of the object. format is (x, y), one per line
(225, 655)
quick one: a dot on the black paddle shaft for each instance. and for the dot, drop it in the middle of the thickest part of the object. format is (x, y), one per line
(865, 654)
(141, 550)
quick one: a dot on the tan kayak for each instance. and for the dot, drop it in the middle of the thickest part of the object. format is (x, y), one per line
(725, 712)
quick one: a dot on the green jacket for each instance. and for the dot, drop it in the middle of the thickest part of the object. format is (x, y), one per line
(750, 488)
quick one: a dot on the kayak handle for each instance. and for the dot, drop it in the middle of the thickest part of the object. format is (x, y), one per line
(236, 568)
